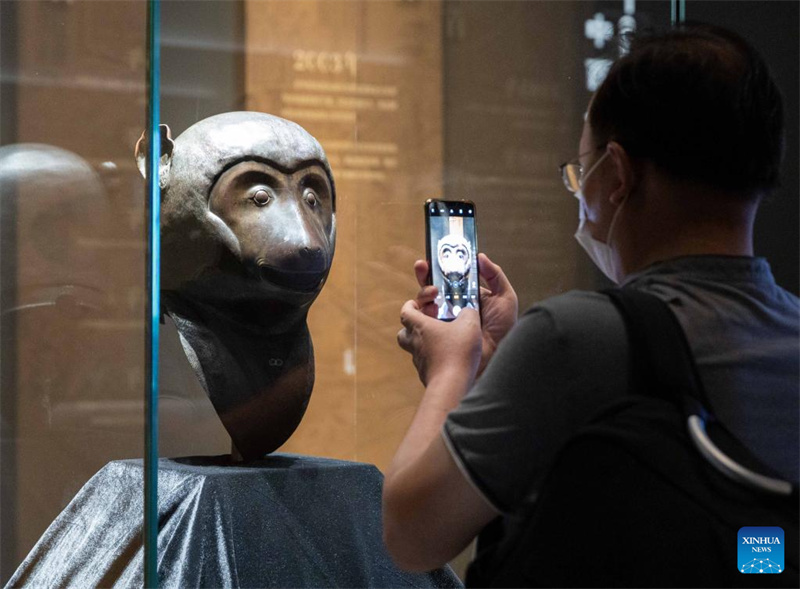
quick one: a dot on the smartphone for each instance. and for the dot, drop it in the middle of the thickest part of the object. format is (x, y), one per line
(452, 253)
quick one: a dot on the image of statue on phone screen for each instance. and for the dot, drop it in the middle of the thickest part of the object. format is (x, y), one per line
(454, 257)
(452, 254)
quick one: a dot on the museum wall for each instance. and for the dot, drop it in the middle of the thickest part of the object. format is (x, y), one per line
(415, 100)
(365, 78)
(513, 98)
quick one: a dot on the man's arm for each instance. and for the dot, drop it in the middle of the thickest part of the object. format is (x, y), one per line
(430, 510)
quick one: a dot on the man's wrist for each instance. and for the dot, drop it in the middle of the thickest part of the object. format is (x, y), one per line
(447, 387)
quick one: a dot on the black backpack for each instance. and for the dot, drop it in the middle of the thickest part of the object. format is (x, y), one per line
(642, 496)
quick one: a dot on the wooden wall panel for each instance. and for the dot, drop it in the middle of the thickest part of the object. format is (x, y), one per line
(365, 79)
(514, 89)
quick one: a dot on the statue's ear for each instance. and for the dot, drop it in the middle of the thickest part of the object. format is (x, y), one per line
(165, 160)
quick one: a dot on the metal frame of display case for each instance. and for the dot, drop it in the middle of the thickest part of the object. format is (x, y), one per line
(153, 298)
(678, 11)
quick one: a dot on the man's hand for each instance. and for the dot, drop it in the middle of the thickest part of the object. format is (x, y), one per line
(499, 306)
(438, 347)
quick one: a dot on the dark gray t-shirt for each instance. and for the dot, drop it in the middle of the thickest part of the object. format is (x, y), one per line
(567, 357)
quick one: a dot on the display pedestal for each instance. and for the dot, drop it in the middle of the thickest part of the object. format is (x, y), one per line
(284, 521)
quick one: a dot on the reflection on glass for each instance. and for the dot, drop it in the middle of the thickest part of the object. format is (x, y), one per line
(408, 100)
(71, 257)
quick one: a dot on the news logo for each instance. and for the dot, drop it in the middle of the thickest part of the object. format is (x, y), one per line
(761, 550)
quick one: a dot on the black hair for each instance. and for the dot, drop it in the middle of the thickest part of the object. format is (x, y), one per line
(700, 103)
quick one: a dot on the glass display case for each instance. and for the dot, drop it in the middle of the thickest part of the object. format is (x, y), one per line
(72, 256)
(399, 101)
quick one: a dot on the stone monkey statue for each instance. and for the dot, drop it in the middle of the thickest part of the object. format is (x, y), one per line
(248, 230)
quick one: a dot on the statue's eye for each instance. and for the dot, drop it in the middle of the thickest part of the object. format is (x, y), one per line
(261, 197)
(310, 197)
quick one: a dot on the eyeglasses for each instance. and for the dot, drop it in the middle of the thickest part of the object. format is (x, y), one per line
(572, 171)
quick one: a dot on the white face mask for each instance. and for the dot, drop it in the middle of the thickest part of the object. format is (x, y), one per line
(600, 253)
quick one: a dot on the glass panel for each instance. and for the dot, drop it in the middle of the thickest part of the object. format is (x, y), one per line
(417, 100)
(410, 101)
(149, 154)
(72, 252)
(201, 76)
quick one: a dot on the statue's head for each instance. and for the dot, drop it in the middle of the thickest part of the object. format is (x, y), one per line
(248, 213)
(454, 257)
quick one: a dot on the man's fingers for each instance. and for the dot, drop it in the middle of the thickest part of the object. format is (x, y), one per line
(469, 315)
(493, 275)
(431, 310)
(421, 272)
(427, 294)
(404, 339)
(409, 313)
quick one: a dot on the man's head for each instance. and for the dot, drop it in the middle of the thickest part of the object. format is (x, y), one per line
(700, 104)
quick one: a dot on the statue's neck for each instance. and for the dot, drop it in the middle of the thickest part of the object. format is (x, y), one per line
(258, 382)
(256, 317)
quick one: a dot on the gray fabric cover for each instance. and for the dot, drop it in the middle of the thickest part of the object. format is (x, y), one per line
(284, 521)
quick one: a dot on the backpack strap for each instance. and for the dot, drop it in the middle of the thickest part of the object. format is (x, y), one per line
(663, 367)
(658, 348)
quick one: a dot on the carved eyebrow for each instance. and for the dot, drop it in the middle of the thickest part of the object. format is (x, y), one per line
(262, 160)
(315, 180)
(260, 176)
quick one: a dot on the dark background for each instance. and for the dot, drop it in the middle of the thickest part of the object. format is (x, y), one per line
(772, 27)
(514, 98)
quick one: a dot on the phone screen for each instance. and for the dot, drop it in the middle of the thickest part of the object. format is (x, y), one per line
(452, 249)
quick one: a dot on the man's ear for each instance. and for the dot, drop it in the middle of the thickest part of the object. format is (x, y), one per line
(165, 160)
(624, 172)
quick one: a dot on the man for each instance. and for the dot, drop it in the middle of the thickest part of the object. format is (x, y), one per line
(680, 144)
